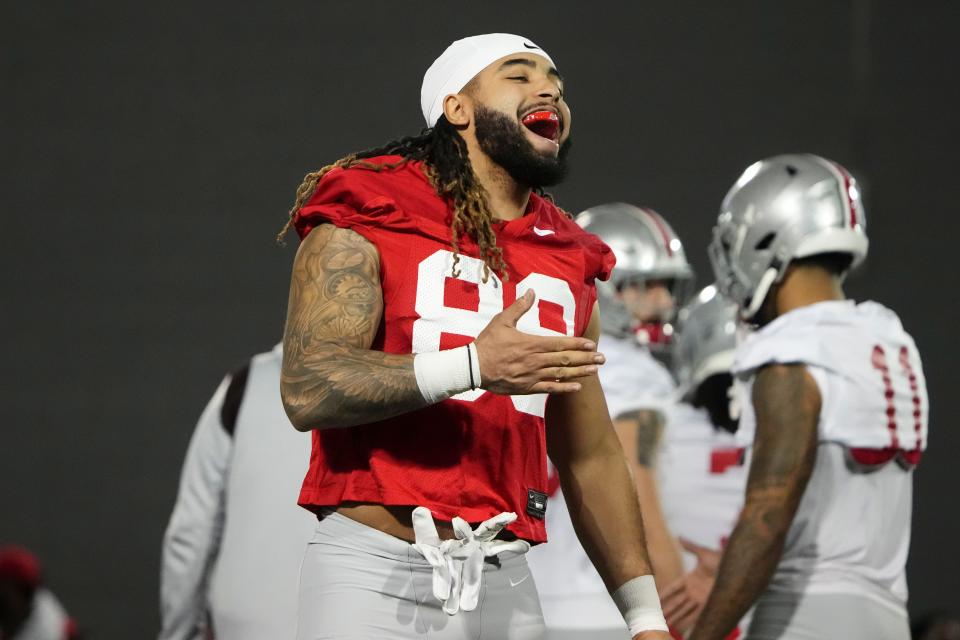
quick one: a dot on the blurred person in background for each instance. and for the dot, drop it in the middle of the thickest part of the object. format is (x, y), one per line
(28, 610)
(702, 471)
(835, 416)
(637, 305)
(232, 550)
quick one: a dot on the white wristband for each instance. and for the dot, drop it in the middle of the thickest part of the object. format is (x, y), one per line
(639, 605)
(442, 374)
(474, 364)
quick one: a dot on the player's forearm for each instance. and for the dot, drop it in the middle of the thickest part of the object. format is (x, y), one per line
(192, 539)
(787, 405)
(640, 434)
(749, 561)
(188, 558)
(339, 385)
(603, 505)
(661, 544)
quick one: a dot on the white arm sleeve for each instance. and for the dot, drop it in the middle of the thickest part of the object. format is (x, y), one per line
(192, 539)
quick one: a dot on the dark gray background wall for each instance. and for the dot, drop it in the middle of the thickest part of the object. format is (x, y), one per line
(150, 151)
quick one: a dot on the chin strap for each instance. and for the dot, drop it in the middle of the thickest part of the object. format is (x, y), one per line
(458, 563)
(760, 293)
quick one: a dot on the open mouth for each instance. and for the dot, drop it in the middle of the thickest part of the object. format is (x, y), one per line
(545, 124)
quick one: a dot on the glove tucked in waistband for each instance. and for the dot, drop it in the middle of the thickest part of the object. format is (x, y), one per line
(458, 563)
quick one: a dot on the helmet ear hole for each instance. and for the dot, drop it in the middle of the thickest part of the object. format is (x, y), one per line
(765, 241)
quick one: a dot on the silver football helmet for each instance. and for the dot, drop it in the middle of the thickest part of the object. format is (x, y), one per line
(706, 338)
(646, 248)
(782, 208)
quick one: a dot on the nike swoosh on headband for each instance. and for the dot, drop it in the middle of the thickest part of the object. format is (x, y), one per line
(530, 46)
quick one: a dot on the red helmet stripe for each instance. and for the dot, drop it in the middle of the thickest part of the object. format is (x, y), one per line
(657, 220)
(851, 204)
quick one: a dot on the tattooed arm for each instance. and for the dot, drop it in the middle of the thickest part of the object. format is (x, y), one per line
(648, 425)
(330, 377)
(640, 433)
(787, 404)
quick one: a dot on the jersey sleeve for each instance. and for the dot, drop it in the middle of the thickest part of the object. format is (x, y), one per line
(633, 380)
(620, 403)
(598, 262)
(192, 538)
(351, 199)
(598, 258)
(791, 344)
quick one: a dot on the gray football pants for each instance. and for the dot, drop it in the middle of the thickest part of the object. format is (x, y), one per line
(357, 583)
(822, 616)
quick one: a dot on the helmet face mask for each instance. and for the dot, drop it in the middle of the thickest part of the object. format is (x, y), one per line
(647, 250)
(783, 208)
(679, 288)
(749, 286)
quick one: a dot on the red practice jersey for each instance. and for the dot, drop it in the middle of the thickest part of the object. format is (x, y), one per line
(476, 454)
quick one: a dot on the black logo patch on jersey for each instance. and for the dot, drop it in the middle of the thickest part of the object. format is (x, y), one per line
(536, 504)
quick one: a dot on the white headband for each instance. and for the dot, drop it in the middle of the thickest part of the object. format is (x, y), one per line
(461, 61)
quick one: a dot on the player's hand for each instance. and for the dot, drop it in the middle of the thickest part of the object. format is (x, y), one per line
(653, 635)
(513, 362)
(684, 599)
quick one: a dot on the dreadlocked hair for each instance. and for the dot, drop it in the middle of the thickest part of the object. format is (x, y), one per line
(444, 155)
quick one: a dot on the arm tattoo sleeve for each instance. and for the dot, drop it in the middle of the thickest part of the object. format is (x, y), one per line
(787, 405)
(330, 376)
(649, 431)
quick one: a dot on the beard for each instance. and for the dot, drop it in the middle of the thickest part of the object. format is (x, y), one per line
(503, 140)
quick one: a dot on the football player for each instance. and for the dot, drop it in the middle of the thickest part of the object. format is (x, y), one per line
(232, 549)
(836, 416)
(442, 313)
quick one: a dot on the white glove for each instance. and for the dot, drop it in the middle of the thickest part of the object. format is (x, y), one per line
(458, 563)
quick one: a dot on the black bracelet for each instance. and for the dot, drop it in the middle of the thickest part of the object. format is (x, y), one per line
(470, 367)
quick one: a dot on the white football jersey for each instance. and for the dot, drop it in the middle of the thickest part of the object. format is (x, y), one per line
(702, 476)
(236, 538)
(571, 591)
(873, 392)
(632, 378)
(851, 533)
